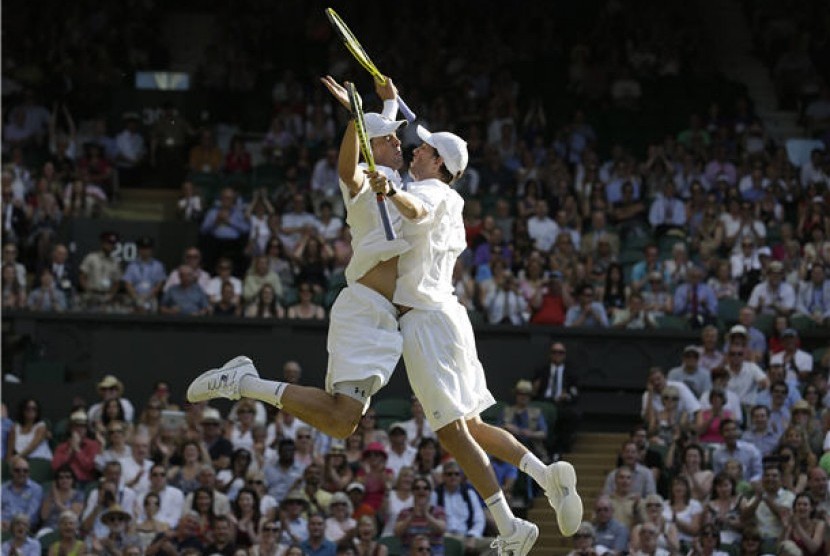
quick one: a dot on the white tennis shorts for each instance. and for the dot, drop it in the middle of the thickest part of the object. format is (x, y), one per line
(364, 342)
(439, 351)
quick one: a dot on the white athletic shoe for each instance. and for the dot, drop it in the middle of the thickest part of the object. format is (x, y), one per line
(222, 382)
(560, 488)
(520, 542)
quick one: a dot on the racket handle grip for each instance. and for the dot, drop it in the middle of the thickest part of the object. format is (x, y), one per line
(407, 112)
(384, 218)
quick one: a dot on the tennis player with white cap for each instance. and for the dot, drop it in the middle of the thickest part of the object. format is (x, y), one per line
(439, 345)
(364, 341)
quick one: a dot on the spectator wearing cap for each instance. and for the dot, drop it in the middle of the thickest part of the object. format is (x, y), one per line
(171, 499)
(798, 364)
(695, 300)
(462, 508)
(110, 388)
(401, 453)
(526, 422)
(374, 475)
(340, 523)
(20, 543)
(720, 379)
(185, 298)
(357, 494)
(746, 378)
(100, 275)
(558, 383)
(284, 473)
(219, 448)
(79, 450)
(761, 432)
(131, 150)
(294, 526)
(690, 373)
(773, 296)
(586, 313)
(115, 537)
(144, 278)
(754, 341)
(608, 532)
(813, 300)
(108, 493)
(20, 494)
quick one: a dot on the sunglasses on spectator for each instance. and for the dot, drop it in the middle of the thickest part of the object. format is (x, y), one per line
(557, 352)
(271, 529)
(670, 398)
(157, 474)
(303, 436)
(256, 482)
(21, 470)
(452, 473)
(241, 411)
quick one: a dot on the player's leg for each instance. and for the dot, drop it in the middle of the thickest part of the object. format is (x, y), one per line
(515, 535)
(364, 346)
(557, 479)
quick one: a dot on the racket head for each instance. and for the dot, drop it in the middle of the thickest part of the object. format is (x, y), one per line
(353, 45)
(356, 105)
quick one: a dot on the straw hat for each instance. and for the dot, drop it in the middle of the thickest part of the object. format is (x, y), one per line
(109, 381)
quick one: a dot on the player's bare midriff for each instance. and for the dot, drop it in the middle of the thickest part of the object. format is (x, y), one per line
(382, 277)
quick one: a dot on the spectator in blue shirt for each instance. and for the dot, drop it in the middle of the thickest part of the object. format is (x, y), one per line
(609, 532)
(20, 542)
(186, 297)
(144, 278)
(317, 544)
(20, 495)
(587, 312)
(225, 230)
(696, 300)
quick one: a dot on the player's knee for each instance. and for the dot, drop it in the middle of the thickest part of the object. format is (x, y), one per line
(343, 422)
(452, 436)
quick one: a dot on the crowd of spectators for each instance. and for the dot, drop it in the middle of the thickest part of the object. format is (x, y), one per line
(712, 226)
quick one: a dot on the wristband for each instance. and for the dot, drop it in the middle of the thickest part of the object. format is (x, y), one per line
(392, 192)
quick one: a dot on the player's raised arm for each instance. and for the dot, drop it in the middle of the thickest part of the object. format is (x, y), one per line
(349, 155)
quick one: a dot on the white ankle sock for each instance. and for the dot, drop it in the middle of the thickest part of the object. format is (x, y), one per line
(268, 391)
(534, 467)
(501, 512)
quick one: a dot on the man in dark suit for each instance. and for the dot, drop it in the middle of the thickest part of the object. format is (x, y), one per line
(558, 384)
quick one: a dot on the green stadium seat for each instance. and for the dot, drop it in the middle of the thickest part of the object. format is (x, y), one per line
(764, 323)
(802, 323)
(289, 297)
(453, 547)
(392, 544)
(48, 540)
(671, 322)
(44, 371)
(40, 470)
(492, 415)
(728, 310)
(476, 317)
(394, 409)
(818, 353)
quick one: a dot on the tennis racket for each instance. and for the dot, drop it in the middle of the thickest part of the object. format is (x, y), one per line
(365, 148)
(360, 55)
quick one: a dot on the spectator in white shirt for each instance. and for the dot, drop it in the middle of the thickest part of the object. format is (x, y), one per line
(773, 296)
(798, 364)
(667, 211)
(171, 499)
(542, 228)
(745, 378)
(813, 300)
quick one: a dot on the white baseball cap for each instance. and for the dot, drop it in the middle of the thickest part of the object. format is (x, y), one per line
(378, 125)
(451, 147)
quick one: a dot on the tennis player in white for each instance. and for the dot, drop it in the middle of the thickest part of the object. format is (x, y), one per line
(439, 346)
(364, 341)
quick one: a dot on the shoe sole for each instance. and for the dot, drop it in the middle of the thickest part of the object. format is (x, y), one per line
(571, 501)
(227, 367)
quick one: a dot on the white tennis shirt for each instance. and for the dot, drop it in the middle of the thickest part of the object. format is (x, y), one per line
(369, 243)
(425, 271)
